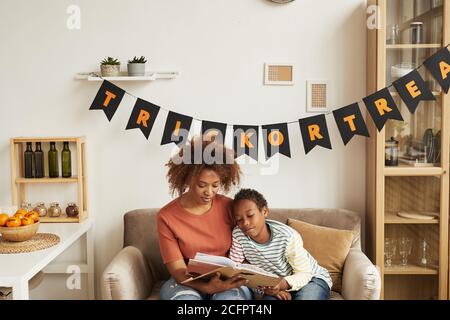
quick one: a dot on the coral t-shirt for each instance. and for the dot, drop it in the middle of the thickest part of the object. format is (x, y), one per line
(182, 234)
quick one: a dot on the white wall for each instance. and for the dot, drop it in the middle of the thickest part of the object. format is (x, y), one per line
(219, 46)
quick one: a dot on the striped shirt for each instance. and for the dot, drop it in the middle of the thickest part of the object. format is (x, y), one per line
(282, 255)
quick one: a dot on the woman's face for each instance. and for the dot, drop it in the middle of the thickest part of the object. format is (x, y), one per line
(205, 187)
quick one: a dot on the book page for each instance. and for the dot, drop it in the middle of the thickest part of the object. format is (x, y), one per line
(223, 261)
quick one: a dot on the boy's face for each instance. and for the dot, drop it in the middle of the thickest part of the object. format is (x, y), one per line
(249, 218)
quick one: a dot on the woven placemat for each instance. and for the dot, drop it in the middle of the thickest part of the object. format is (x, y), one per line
(38, 242)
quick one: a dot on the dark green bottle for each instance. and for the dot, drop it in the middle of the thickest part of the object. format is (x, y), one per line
(53, 170)
(28, 156)
(39, 161)
(66, 161)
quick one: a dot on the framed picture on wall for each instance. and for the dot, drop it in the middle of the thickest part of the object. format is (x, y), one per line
(317, 96)
(279, 73)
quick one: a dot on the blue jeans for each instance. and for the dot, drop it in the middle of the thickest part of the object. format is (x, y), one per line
(316, 289)
(171, 290)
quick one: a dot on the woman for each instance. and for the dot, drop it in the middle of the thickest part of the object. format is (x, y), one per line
(199, 220)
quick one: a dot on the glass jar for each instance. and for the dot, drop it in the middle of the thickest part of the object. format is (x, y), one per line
(72, 210)
(391, 153)
(54, 210)
(26, 206)
(41, 209)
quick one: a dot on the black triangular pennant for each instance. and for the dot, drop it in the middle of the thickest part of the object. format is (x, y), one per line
(412, 89)
(439, 66)
(176, 129)
(245, 141)
(350, 122)
(143, 116)
(382, 107)
(108, 98)
(213, 128)
(314, 132)
(276, 139)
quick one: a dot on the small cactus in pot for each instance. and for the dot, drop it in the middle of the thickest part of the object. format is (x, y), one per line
(110, 67)
(136, 66)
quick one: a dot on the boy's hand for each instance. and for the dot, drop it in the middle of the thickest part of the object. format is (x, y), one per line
(283, 295)
(273, 291)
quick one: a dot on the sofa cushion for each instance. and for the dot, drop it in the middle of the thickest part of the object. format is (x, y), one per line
(328, 246)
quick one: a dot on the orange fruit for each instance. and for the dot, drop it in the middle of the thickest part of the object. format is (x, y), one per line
(27, 221)
(20, 215)
(3, 218)
(13, 222)
(21, 211)
(33, 215)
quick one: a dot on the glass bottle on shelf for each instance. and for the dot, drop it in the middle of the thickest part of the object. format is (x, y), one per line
(391, 153)
(54, 210)
(39, 161)
(41, 209)
(72, 209)
(53, 170)
(26, 206)
(66, 161)
(28, 162)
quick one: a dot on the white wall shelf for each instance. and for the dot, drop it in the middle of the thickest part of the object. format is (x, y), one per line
(149, 76)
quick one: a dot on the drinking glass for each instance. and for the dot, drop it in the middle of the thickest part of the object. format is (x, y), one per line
(390, 246)
(404, 249)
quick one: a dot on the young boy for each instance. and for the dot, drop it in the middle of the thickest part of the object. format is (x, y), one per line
(276, 248)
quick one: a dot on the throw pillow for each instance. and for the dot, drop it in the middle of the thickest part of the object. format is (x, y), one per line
(328, 246)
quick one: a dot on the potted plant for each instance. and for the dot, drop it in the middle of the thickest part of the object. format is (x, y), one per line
(110, 67)
(136, 66)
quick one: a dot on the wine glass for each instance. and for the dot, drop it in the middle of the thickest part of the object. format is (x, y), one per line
(390, 246)
(404, 249)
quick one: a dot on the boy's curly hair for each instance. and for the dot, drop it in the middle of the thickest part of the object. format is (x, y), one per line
(253, 195)
(180, 175)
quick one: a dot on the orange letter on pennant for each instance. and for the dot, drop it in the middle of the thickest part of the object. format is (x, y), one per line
(245, 139)
(143, 117)
(350, 119)
(382, 106)
(314, 132)
(275, 138)
(177, 128)
(412, 89)
(445, 69)
(109, 96)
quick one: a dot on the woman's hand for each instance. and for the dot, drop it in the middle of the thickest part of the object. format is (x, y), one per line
(283, 295)
(218, 285)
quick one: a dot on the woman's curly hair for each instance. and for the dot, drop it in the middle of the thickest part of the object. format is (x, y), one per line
(180, 173)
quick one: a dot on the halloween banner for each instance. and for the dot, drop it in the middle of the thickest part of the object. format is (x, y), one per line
(411, 88)
(245, 141)
(439, 66)
(382, 107)
(108, 98)
(210, 128)
(314, 132)
(176, 129)
(350, 122)
(276, 140)
(143, 116)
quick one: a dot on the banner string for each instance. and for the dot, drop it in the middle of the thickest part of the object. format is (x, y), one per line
(287, 122)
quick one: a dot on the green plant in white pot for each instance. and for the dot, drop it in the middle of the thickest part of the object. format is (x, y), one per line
(136, 66)
(110, 67)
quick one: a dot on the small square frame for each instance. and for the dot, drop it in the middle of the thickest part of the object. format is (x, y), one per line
(309, 95)
(267, 80)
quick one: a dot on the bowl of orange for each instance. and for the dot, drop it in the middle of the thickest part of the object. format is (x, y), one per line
(19, 227)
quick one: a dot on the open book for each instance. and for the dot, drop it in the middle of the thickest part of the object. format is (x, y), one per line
(205, 266)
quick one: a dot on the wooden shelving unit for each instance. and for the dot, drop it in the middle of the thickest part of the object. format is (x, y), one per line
(19, 183)
(406, 187)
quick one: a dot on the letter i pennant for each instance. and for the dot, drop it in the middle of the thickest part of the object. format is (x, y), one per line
(143, 116)
(108, 98)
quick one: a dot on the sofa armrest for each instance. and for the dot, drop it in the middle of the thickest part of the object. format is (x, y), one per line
(361, 279)
(127, 277)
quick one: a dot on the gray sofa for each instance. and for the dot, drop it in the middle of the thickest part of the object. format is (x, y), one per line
(137, 271)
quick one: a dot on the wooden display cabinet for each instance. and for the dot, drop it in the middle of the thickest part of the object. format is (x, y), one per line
(420, 181)
(19, 183)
